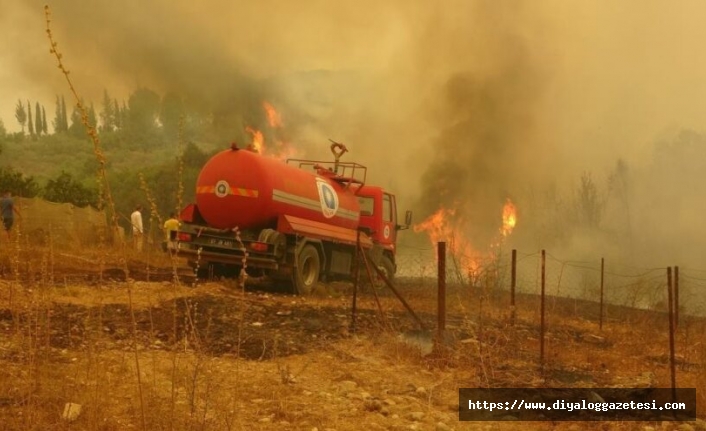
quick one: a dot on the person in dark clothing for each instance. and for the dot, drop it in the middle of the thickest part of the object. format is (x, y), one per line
(8, 210)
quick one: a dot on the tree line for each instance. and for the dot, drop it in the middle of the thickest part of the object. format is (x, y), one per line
(166, 139)
(36, 126)
(62, 188)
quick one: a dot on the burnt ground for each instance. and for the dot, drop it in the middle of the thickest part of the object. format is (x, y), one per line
(302, 351)
(251, 326)
(259, 324)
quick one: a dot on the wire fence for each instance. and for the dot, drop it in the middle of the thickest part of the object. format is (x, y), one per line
(623, 285)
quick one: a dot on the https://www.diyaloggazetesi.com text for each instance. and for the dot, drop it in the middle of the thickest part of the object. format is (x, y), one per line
(593, 404)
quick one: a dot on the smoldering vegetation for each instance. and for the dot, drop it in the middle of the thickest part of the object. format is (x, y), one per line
(646, 215)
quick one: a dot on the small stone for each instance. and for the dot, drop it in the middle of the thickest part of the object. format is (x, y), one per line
(421, 390)
(265, 420)
(71, 411)
(416, 416)
(685, 427)
(373, 406)
(365, 395)
(306, 393)
(389, 402)
(443, 427)
(347, 385)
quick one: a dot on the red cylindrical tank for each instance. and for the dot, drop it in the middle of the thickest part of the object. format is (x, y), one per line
(244, 189)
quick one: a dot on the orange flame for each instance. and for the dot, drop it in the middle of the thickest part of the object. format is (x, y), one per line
(444, 225)
(277, 147)
(258, 140)
(447, 225)
(273, 117)
(509, 218)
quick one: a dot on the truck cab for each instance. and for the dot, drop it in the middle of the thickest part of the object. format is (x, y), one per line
(378, 219)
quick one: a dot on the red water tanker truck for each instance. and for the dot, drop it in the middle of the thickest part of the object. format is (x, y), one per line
(298, 220)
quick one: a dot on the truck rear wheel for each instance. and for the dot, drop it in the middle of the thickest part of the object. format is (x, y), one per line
(306, 274)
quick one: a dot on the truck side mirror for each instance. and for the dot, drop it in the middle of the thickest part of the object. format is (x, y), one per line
(407, 221)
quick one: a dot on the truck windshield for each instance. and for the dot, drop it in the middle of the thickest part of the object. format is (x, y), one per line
(366, 205)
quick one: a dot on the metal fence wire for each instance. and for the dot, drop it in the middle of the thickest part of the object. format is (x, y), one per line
(623, 285)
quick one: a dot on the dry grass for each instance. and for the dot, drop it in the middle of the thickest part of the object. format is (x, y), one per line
(185, 387)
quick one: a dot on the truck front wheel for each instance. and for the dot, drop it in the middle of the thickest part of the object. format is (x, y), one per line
(306, 274)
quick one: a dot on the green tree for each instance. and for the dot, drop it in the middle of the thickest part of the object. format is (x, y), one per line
(56, 122)
(3, 130)
(64, 188)
(194, 157)
(17, 183)
(171, 112)
(143, 107)
(44, 121)
(21, 115)
(92, 120)
(64, 117)
(108, 113)
(117, 115)
(76, 128)
(37, 119)
(60, 123)
(30, 123)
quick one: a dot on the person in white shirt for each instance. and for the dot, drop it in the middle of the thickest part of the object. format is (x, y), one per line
(137, 229)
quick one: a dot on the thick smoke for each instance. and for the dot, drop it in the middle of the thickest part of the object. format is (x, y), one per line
(458, 104)
(485, 143)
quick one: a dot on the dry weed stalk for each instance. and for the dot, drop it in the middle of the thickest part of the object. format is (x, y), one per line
(154, 214)
(180, 165)
(104, 192)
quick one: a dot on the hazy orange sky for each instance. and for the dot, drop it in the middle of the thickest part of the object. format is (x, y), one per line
(613, 74)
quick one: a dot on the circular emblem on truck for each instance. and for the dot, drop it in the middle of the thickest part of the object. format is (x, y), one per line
(386, 232)
(222, 188)
(328, 198)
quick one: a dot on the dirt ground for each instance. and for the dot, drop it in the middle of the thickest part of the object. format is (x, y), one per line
(212, 356)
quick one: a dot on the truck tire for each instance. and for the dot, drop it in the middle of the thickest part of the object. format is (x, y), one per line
(306, 274)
